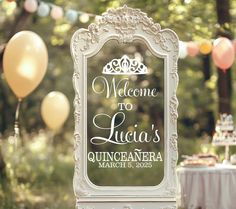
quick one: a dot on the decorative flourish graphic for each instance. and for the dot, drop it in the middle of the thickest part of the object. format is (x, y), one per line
(124, 66)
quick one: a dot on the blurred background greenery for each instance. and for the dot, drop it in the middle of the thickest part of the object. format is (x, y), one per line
(38, 174)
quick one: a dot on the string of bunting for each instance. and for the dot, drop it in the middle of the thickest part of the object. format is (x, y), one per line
(44, 9)
(222, 49)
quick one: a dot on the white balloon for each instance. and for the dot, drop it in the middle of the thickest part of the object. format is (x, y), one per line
(183, 52)
(55, 109)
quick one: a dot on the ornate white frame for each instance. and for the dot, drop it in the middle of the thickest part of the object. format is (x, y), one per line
(125, 25)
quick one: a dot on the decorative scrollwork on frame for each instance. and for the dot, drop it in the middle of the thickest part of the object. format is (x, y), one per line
(173, 142)
(125, 21)
(172, 39)
(170, 191)
(89, 36)
(77, 143)
(76, 75)
(175, 66)
(173, 164)
(77, 116)
(173, 108)
(82, 190)
(175, 76)
(174, 146)
(174, 71)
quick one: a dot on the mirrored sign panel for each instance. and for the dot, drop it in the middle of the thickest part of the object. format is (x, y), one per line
(125, 116)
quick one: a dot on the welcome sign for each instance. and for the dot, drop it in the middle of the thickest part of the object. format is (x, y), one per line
(125, 83)
(123, 139)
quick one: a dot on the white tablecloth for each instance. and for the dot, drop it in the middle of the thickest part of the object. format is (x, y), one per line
(207, 188)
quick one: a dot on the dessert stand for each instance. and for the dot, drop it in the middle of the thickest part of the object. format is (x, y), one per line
(225, 134)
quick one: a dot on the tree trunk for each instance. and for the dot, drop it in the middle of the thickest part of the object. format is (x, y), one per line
(210, 126)
(224, 78)
(206, 67)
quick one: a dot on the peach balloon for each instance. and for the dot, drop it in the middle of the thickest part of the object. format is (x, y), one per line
(192, 48)
(56, 12)
(223, 53)
(25, 62)
(31, 6)
(205, 47)
(55, 109)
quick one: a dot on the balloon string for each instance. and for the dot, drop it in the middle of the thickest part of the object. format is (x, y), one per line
(16, 125)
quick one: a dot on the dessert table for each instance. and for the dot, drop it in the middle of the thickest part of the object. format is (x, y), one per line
(207, 187)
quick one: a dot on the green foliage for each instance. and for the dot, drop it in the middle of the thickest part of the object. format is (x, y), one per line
(39, 174)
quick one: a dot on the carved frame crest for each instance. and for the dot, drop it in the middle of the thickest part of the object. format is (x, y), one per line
(125, 25)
